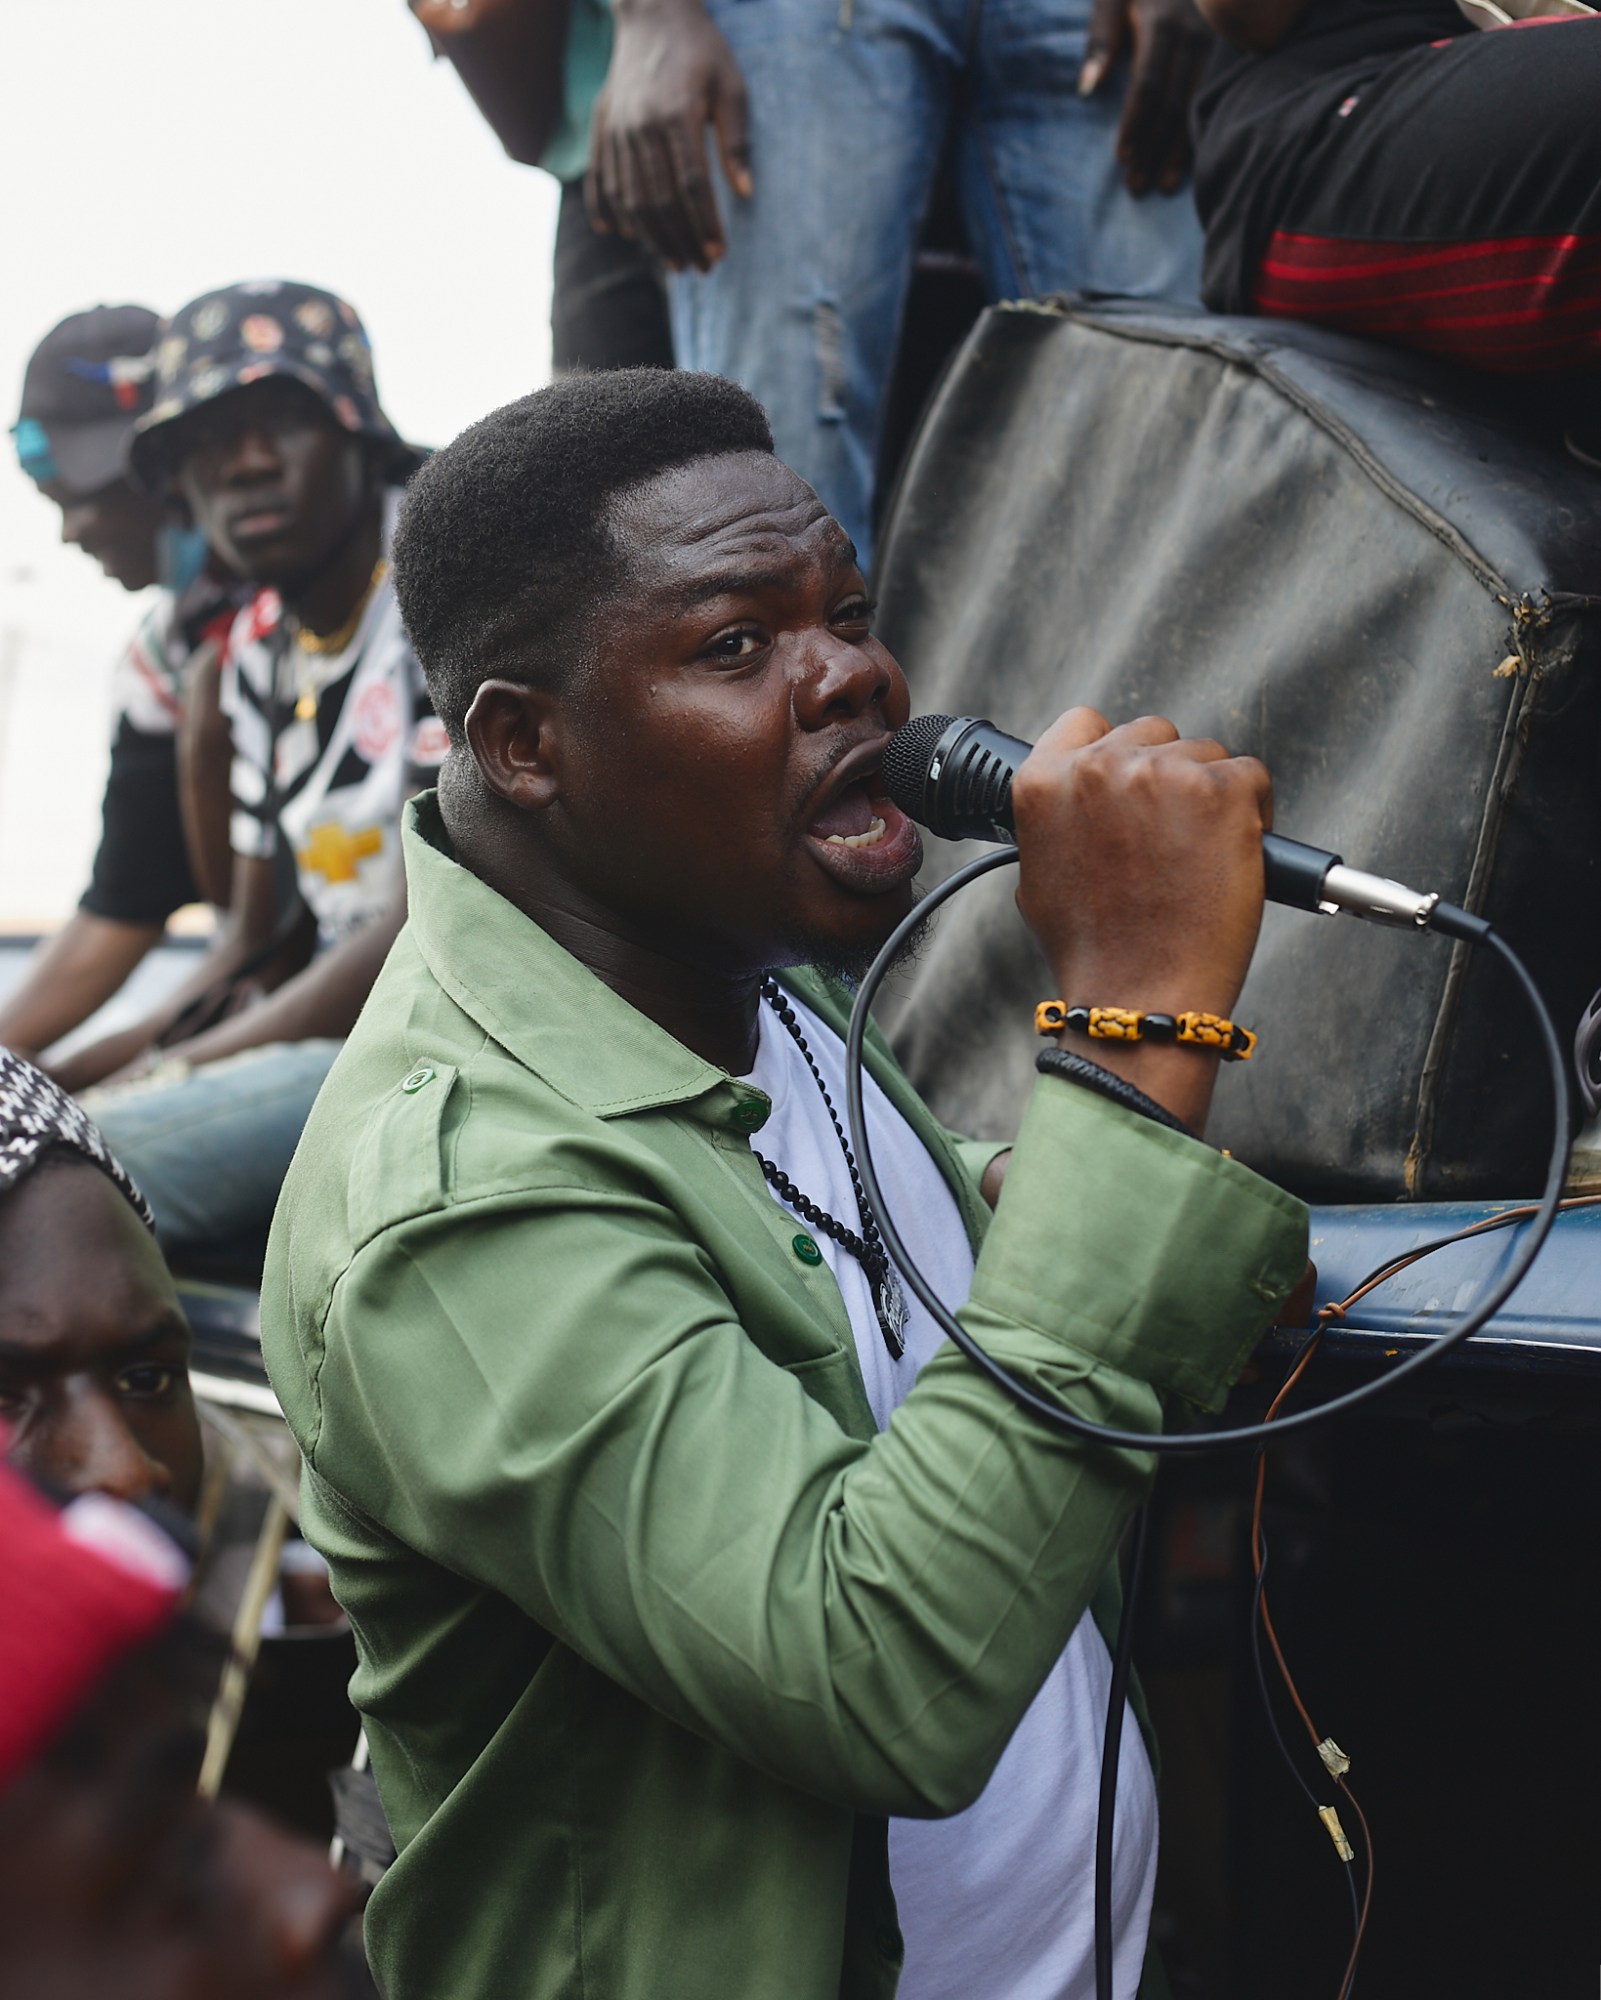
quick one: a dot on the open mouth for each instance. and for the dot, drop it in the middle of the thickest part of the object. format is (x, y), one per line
(862, 838)
(851, 818)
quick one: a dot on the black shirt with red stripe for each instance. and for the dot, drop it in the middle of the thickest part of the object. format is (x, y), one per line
(1254, 116)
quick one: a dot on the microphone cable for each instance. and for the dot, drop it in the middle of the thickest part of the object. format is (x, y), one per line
(1189, 1442)
(1335, 1763)
(1112, 1747)
(1539, 1217)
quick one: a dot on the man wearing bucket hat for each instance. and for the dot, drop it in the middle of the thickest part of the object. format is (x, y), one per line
(267, 430)
(86, 383)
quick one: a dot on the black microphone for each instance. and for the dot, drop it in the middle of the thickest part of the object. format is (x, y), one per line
(953, 774)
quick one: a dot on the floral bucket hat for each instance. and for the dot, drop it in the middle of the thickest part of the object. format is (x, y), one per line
(248, 333)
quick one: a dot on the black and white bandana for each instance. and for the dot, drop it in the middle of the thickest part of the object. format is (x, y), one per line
(36, 1114)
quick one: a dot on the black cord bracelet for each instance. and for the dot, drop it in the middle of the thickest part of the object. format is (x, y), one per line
(1079, 1069)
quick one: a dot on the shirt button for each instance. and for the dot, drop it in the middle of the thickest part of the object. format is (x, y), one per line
(806, 1250)
(748, 1115)
(419, 1076)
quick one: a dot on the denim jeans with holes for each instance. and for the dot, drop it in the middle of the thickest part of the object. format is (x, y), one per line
(851, 106)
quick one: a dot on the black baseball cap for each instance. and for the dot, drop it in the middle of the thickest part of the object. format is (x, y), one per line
(226, 340)
(86, 384)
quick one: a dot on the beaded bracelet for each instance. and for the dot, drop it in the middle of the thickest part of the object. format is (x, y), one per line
(1079, 1069)
(1123, 1024)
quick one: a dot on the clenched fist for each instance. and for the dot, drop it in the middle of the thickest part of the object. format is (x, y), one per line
(1141, 876)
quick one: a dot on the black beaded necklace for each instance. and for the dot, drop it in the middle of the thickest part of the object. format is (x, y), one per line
(889, 1301)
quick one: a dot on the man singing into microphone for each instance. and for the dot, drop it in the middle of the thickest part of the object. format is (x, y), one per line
(723, 1632)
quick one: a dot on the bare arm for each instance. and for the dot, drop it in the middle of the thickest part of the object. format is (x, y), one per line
(248, 927)
(323, 1000)
(516, 76)
(1257, 25)
(995, 1177)
(205, 760)
(69, 976)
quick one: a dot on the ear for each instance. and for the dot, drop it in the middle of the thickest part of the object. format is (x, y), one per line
(513, 736)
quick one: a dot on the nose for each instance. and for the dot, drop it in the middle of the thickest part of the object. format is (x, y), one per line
(77, 521)
(253, 454)
(89, 1448)
(841, 681)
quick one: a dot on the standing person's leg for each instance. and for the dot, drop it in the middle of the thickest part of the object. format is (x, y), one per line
(848, 105)
(209, 1150)
(1044, 197)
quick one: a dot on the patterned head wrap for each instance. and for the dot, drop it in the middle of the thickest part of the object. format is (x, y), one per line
(36, 1114)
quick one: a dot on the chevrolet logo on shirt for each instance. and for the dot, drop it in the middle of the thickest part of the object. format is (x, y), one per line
(336, 854)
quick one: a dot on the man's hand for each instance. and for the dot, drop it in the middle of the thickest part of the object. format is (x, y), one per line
(1141, 875)
(1170, 42)
(671, 76)
(111, 1059)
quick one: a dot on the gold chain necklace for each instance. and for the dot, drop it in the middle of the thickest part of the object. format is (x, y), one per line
(323, 645)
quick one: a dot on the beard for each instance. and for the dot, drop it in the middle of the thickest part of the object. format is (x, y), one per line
(850, 968)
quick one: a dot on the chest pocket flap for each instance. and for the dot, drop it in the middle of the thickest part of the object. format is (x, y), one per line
(399, 1166)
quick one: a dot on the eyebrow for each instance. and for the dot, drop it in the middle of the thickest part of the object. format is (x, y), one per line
(25, 1357)
(730, 583)
(747, 582)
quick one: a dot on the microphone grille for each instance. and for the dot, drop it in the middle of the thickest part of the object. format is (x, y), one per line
(906, 760)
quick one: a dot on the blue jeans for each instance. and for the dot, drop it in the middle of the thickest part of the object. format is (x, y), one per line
(851, 105)
(209, 1149)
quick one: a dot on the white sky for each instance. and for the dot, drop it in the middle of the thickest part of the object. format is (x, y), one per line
(153, 149)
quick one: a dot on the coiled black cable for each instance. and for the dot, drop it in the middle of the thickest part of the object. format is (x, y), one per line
(1252, 1435)
(1255, 1435)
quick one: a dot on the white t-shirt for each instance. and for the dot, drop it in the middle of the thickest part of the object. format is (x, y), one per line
(344, 773)
(999, 1899)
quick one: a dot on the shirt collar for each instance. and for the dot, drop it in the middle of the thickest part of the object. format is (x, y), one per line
(541, 1004)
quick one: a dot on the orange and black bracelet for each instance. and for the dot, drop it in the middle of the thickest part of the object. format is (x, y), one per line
(1124, 1024)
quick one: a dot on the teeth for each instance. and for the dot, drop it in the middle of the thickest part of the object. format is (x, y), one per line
(873, 835)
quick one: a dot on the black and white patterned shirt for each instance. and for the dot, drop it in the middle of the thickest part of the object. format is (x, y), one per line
(342, 774)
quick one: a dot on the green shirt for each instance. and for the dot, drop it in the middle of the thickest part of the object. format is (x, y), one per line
(653, 1628)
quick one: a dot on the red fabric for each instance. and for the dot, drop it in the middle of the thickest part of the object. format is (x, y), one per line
(66, 1614)
(1517, 304)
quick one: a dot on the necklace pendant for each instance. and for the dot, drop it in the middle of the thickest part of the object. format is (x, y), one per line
(889, 1301)
(306, 706)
